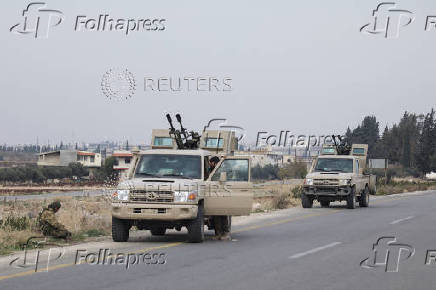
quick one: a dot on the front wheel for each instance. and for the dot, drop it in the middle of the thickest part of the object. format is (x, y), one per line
(120, 230)
(306, 201)
(364, 198)
(196, 227)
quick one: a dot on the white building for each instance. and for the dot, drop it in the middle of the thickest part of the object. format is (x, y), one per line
(65, 157)
(122, 162)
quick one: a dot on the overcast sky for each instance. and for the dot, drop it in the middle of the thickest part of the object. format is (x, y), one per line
(301, 66)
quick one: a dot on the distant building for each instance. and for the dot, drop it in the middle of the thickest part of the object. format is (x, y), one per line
(263, 156)
(89, 159)
(122, 162)
(65, 157)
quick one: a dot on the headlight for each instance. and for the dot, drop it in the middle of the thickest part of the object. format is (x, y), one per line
(308, 181)
(122, 194)
(184, 196)
(343, 182)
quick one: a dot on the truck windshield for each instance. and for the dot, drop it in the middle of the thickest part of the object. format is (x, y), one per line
(334, 165)
(169, 165)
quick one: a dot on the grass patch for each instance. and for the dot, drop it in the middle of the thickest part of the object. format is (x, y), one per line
(83, 216)
(277, 196)
(395, 187)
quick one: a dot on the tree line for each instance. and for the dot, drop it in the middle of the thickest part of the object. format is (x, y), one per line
(42, 174)
(410, 144)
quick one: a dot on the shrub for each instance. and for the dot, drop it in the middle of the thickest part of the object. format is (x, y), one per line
(15, 223)
(297, 191)
(293, 170)
(280, 201)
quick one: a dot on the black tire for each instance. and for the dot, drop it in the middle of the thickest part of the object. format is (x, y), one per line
(306, 201)
(120, 230)
(196, 227)
(158, 231)
(364, 198)
(351, 198)
(325, 203)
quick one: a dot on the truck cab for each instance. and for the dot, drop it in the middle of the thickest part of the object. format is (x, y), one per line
(335, 177)
(167, 188)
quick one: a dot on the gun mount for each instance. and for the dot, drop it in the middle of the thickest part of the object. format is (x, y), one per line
(183, 138)
(342, 147)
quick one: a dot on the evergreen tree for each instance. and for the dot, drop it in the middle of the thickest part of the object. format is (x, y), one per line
(426, 147)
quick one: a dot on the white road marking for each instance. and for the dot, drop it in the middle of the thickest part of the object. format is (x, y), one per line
(299, 255)
(402, 220)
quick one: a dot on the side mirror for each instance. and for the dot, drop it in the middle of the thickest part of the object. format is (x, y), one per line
(223, 176)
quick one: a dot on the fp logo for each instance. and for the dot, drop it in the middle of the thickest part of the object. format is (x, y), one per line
(387, 20)
(221, 123)
(38, 20)
(39, 260)
(387, 253)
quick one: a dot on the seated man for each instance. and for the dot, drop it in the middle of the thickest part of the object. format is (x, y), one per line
(213, 162)
(48, 223)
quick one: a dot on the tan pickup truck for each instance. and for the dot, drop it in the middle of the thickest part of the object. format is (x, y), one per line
(334, 177)
(171, 189)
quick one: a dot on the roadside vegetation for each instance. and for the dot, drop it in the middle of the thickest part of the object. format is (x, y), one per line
(403, 185)
(84, 217)
(276, 196)
(294, 170)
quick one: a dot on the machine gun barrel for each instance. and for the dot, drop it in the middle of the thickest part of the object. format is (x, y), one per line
(343, 148)
(334, 140)
(182, 130)
(170, 121)
(175, 133)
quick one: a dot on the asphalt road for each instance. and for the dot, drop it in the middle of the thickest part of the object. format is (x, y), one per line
(319, 248)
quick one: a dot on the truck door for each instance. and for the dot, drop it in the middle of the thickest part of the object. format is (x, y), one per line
(229, 188)
(360, 180)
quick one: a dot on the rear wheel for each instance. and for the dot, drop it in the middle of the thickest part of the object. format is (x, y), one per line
(158, 231)
(196, 227)
(351, 199)
(364, 198)
(325, 203)
(120, 230)
(306, 201)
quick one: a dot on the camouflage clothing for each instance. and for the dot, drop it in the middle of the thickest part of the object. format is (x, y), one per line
(49, 225)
